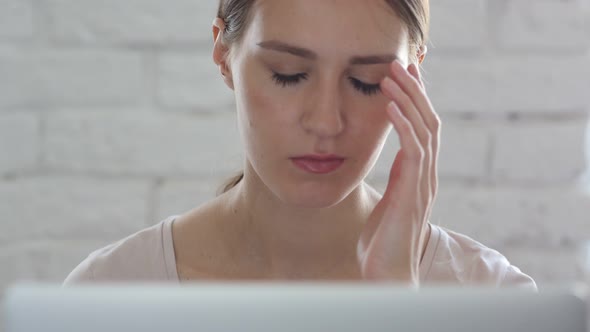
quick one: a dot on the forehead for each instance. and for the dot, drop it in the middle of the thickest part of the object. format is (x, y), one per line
(328, 26)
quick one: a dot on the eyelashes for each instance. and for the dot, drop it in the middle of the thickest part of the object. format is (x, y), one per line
(368, 89)
(290, 80)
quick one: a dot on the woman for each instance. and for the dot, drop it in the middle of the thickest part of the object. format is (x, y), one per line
(318, 87)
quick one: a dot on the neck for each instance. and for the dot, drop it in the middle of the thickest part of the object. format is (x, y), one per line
(292, 241)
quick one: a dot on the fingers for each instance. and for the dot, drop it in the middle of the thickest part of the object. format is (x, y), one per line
(407, 90)
(436, 132)
(420, 153)
(394, 90)
(413, 69)
(413, 158)
(413, 87)
(429, 116)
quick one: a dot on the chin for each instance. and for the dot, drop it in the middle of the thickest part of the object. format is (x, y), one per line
(315, 198)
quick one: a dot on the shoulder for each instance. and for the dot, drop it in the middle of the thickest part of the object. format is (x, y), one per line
(461, 259)
(139, 256)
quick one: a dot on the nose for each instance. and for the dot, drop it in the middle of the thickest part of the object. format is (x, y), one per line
(323, 111)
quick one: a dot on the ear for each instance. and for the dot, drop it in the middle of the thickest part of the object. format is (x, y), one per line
(422, 53)
(221, 52)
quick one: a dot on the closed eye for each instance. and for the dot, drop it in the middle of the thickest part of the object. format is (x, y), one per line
(289, 80)
(368, 89)
(286, 80)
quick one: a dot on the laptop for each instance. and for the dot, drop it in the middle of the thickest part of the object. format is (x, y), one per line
(290, 307)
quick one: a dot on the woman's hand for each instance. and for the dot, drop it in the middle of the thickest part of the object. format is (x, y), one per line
(391, 244)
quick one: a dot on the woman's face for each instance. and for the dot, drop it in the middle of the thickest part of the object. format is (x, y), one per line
(306, 78)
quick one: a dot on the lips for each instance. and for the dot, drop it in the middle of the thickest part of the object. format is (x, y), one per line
(318, 164)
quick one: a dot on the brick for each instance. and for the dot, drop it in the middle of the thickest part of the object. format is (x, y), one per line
(19, 142)
(133, 21)
(16, 19)
(143, 143)
(458, 84)
(541, 25)
(64, 208)
(458, 24)
(193, 81)
(541, 84)
(549, 84)
(175, 197)
(539, 153)
(43, 261)
(464, 150)
(511, 216)
(46, 78)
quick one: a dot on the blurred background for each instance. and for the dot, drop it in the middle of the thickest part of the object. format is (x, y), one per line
(113, 116)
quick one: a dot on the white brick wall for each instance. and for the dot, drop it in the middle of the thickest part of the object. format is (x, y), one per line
(113, 116)
(19, 134)
(513, 216)
(540, 152)
(540, 83)
(465, 150)
(40, 78)
(181, 85)
(132, 21)
(458, 24)
(543, 25)
(141, 142)
(468, 83)
(38, 208)
(528, 83)
(16, 19)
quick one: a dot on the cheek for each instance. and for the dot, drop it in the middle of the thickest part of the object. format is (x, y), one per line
(370, 126)
(368, 116)
(263, 111)
(264, 118)
(265, 106)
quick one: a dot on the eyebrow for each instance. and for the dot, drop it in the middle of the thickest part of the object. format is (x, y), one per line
(279, 46)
